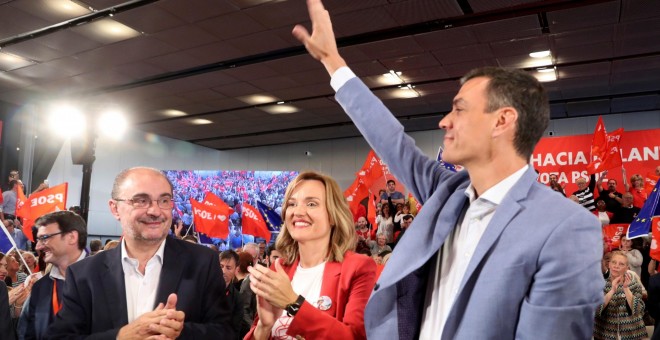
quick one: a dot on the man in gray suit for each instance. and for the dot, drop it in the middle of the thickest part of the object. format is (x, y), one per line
(488, 256)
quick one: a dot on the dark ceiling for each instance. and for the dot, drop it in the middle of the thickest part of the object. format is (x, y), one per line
(209, 58)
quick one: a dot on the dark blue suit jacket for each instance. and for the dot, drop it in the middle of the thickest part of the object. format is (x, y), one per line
(38, 312)
(95, 294)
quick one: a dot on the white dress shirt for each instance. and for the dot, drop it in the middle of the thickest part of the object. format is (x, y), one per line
(141, 289)
(455, 255)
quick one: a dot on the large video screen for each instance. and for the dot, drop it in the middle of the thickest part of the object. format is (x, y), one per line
(234, 188)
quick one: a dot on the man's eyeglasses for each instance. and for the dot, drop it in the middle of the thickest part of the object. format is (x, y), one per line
(44, 238)
(141, 202)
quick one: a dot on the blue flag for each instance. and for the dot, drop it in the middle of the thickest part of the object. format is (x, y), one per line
(448, 166)
(272, 218)
(6, 241)
(641, 226)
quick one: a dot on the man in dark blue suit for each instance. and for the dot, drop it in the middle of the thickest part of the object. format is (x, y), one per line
(61, 237)
(653, 303)
(151, 284)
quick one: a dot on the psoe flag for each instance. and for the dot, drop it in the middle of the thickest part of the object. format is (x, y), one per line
(253, 223)
(210, 220)
(39, 204)
(642, 224)
(6, 241)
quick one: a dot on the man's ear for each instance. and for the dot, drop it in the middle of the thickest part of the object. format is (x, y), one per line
(507, 117)
(114, 209)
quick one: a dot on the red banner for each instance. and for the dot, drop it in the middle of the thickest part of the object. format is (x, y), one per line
(210, 220)
(614, 232)
(253, 223)
(39, 204)
(567, 157)
(213, 200)
(655, 243)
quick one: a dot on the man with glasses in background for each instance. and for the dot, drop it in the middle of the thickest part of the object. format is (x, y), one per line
(151, 284)
(61, 237)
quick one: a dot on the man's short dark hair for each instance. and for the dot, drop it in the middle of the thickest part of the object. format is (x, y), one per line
(270, 249)
(12, 183)
(408, 217)
(67, 221)
(95, 245)
(229, 254)
(523, 92)
(391, 181)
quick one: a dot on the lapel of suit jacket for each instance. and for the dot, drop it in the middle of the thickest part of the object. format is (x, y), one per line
(329, 285)
(423, 241)
(504, 213)
(114, 286)
(170, 274)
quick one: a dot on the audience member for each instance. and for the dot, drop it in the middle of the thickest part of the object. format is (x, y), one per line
(8, 206)
(626, 213)
(228, 264)
(392, 196)
(405, 223)
(653, 303)
(611, 197)
(31, 261)
(385, 223)
(272, 254)
(262, 252)
(14, 276)
(110, 244)
(554, 185)
(113, 293)
(252, 249)
(62, 237)
(603, 215)
(634, 256)
(585, 193)
(95, 247)
(316, 242)
(362, 229)
(496, 120)
(620, 315)
(6, 325)
(17, 234)
(379, 245)
(636, 188)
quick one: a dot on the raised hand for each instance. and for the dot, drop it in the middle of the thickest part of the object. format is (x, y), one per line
(321, 43)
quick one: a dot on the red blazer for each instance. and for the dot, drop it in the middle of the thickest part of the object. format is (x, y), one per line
(348, 284)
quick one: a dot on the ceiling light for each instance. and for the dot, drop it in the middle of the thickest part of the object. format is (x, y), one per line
(66, 8)
(257, 99)
(406, 91)
(391, 78)
(545, 76)
(10, 62)
(200, 121)
(546, 69)
(173, 113)
(106, 31)
(67, 121)
(112, 124)
(540, 54)
(279, 109)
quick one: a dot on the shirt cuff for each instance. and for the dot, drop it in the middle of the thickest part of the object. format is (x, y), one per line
(340, 77)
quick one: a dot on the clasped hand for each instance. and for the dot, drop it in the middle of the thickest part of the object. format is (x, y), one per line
(164, 322)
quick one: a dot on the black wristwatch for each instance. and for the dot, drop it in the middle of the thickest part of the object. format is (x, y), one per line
(293, 308)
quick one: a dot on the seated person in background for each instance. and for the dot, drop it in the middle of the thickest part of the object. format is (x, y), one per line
(391, 193)
(626, 213)
(634, 256)
(585, 194)
(272, 254)
(620, 315)
(95, 247)
(316, 241)
(603, 215)
(405, 223)
(14, 276)
(362, 229)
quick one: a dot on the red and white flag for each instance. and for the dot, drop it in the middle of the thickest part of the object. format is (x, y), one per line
(253, 223)
(39, 204)
(210, 220)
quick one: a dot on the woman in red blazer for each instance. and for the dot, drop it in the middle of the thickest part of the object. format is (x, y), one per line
(319, 289)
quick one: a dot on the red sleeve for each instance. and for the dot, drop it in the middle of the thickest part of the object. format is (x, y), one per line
(312, 323)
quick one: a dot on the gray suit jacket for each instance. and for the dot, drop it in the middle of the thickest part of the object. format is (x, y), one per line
(535, 273)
